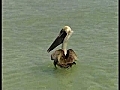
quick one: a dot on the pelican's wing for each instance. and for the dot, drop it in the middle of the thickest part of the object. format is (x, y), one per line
(71, 54)
(56, 55)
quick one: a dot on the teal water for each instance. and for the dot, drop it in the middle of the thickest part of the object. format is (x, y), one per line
(30, 26)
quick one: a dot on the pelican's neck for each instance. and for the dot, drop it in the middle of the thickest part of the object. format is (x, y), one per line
(64, 47)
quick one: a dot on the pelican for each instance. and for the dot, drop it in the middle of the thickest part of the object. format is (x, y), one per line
(63, 57)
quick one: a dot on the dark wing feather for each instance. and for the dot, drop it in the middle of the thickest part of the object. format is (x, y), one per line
(71, 56)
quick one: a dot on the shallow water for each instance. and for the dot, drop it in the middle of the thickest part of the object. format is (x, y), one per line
(29, 27)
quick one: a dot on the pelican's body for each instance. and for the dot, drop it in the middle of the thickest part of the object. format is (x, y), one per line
(63, 60)
(63, 57)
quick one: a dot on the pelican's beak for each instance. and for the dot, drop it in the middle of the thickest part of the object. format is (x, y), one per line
(58, 40)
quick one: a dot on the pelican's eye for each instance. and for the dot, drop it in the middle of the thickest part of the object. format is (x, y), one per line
(69, 32)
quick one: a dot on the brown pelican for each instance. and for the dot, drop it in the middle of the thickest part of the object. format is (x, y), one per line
(63, 57)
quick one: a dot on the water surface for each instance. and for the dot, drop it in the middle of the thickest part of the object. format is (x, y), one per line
(29, 27)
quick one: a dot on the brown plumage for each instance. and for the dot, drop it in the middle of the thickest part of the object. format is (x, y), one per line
(63, 60)
(63, 57)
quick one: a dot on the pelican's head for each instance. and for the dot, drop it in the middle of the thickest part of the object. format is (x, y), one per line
(64, 35)
(68, 31)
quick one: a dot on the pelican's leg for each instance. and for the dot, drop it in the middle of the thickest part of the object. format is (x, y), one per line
(55, 62)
